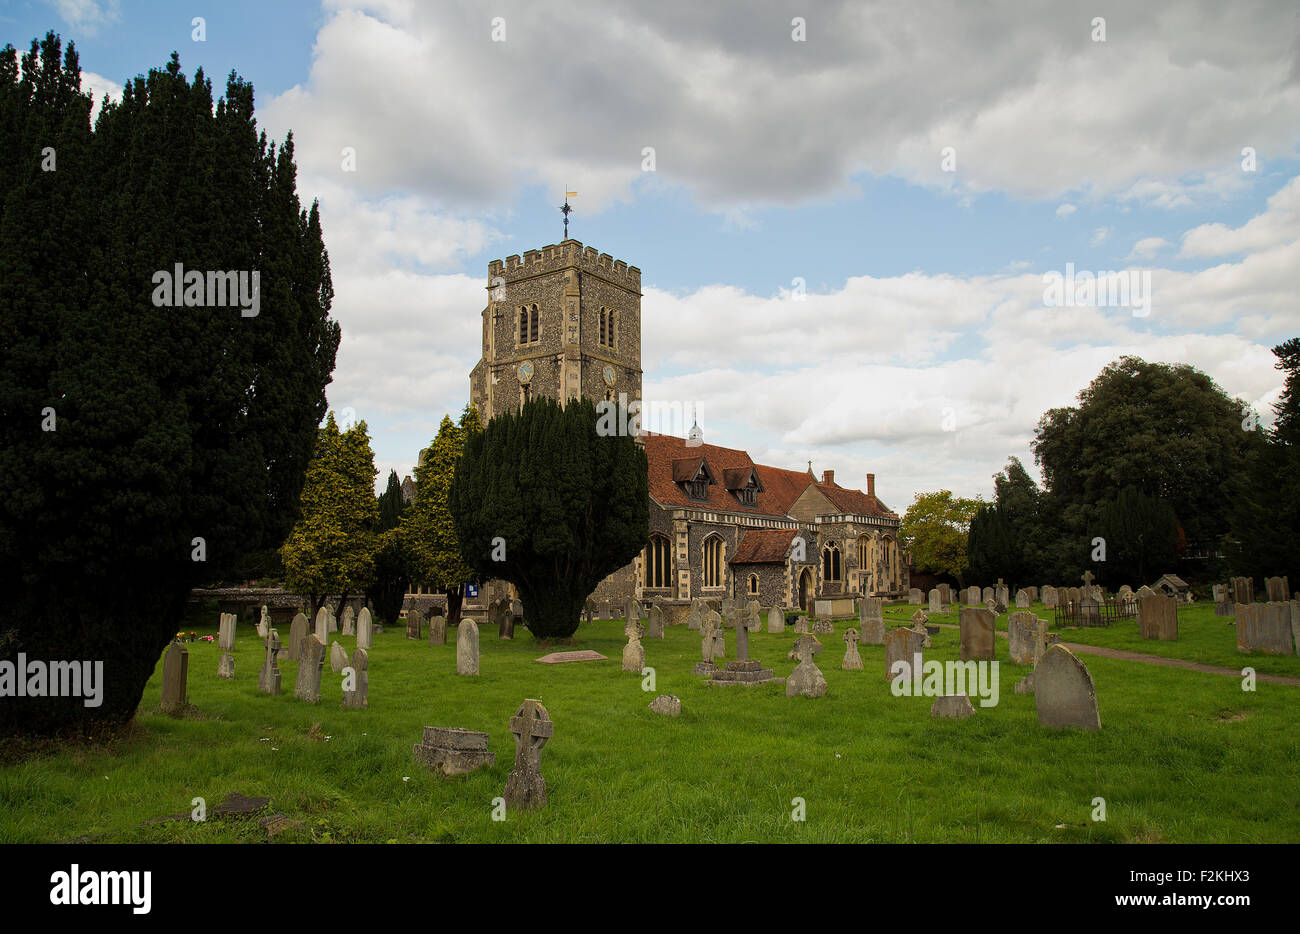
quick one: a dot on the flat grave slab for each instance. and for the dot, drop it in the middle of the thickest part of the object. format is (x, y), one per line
(559, 658)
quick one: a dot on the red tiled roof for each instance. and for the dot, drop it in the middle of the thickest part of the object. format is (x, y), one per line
(854, 502)
(665, 451)
(764, 546)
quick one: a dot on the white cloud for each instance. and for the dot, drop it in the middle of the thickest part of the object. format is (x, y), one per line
(1148, 247)
(1279, 224)
(1099, 236)
(88, 16)
(1065, 210)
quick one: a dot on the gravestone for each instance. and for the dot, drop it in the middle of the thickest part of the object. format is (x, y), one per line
(852, 660)
(437, 628)
(776, 621)
(753, 616)
(365, 628)
(1064, 692)
(349, 620)
(872, 608)
(1002, 593)
(915, 597)
(1222, 605)
(176, 673)
(823, 627)
(1265, 627)
(453, 751)
(588, 612)
(919, 619)
(332, 622)
(742, 642)
(1089, 613)
(634, 651)
(902, 645)
(987, 594)
(977, 634)
(873, 632)
(226, 643)
(801, 625)
(935, 604)
(713, 644)
(531, 726)
(1026, 637)
(952, 706)
(1022, 599)
(516, 616)
(1033, 594)
(467, 647)
(666, 705)
(268, 679)
(1158, 617)
(414, 623)
(632, 609)
(1277, 589)
(1049, 597)
(655, 629)
(806, 679)
(311, 659)
(1243, 590)
(506, 623)
(338, 657)
(357, 698)
(945, 595)
(322, 628)
(297, 632)
(264, 623)
(695, 619)
(972, 597)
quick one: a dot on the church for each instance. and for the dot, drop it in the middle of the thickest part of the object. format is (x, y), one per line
(565, 321)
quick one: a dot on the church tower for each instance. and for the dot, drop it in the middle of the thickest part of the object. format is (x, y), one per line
(564, 321)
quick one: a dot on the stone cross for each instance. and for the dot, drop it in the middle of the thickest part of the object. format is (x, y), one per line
(1087, 578)
(532, 727)
(852, 660)
(806, 679)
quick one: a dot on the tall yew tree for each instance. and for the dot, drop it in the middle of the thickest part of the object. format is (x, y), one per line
(569, 506)
(143, 449)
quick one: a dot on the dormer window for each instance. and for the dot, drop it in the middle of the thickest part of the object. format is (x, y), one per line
(746, 496)
(699, 489)
(694, 476)
(743, 483)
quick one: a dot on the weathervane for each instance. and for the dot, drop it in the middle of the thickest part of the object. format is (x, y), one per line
(566, 210)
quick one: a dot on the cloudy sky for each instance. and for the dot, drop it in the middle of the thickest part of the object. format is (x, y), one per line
(848, 216)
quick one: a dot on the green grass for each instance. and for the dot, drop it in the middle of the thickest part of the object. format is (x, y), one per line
(1182, 756)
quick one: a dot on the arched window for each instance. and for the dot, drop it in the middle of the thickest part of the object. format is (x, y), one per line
(528, 324)
(865, 556)
(606, 327)
(831, 563)
(713, 562)
(753, 585)
(658, 563)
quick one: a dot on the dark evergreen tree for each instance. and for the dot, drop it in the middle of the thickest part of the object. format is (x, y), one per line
(143, 449)
(391, 504)
(544, 501)
(392, 575)
(1141, 535)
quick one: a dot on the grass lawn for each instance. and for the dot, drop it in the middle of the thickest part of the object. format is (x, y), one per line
(1202, 637)
(1181, 757)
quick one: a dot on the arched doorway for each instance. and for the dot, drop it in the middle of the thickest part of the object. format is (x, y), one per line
(805, 589)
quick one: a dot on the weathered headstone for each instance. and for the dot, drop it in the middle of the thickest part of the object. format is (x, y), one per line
(1277, 589)
(268, 679)
(506, 623)
(634, 651)
(801, 625)
(349, 621)
(532, 727)
(695, 619)
(915, 597)
(1022, 599)
(742, 641)
(902, 645)
(1157, 617)
(822, 627)
(311, 659)
(1243, 590)
(358, 697)
(872, 608)
(1089, 612)
(945, 595)
(1027, 638)
(666, 705)
(631, 609)
(873, 632)
(852, 660)
(176, 673)
(438, 628)
(1049, 597)
(972, 596)
(453, 751)
(753, 616)
(1064, 692)
(952, 706)
(1265, 627)
(264, 623)
(467, 647)
(1222, 605)
(976, 634)
(1002, 593)
(226, 643)
(936, 605)
(987, 594)
(322, 627)
(806, 679)
(414, 622)
(338, 657)
(365, 628)
(776, 621)
(655, 622)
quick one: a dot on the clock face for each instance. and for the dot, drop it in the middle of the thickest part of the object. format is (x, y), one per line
(525, 371)
(609, 374)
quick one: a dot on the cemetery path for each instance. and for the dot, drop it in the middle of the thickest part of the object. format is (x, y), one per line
(1125, 655)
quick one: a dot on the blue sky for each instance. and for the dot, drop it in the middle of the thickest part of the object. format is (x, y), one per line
(923, 352)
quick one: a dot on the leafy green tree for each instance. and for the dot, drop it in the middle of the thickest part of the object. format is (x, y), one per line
(392, 505)
(1141, 536)
(559, 504)
(428, 530)
(144, 449)
(332, 547)
(1166, 430)
(1265, 494)
(935, 530)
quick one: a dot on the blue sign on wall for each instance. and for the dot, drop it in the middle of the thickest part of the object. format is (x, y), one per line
(471, 590)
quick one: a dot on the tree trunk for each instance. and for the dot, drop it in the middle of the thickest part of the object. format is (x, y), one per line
(552, 612)
(455, 597)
